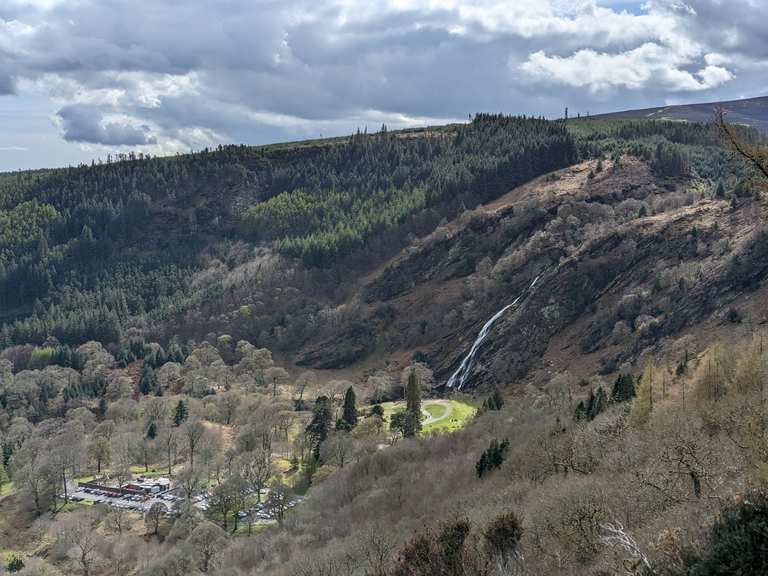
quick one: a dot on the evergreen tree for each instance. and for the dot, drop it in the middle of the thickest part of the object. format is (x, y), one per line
(42, 247)
(349, 413)
(6, 453)
(598, 402)
(319, 427)
(595, 404)
(397, 422)
(580, 412)
(720, 189)
(492, 457)
(736, 543)
(148, 380)
(623, 388)
(152, 431)
(181, 413)
(494, 402)
(413, 404)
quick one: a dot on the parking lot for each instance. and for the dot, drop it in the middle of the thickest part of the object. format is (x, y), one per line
(137, 503)
(259, 513)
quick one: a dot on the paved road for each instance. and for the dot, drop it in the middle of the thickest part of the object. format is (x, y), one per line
(431, 419)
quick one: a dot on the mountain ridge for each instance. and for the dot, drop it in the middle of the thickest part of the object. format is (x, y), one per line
(748, 111)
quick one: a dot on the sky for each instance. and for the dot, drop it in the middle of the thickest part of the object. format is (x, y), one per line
(81, 79)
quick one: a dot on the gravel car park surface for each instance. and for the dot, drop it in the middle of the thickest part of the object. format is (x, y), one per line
(128, 502)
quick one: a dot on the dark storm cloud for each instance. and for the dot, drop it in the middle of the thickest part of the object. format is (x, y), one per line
(85, 124)
(188, 73)
(7, 85)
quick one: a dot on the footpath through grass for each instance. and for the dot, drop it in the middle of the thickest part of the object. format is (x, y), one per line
(436, 410)
(459, 413)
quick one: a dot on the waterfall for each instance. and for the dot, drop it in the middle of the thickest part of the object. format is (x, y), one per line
(459, 378)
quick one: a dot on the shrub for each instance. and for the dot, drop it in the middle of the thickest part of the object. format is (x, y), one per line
(595, 404)
(494, 402)
(430, 553)
(738, 542)
(41, 357)
(503, 534)
(733, 315)
(492, 457)
(623, 388)
(15, 563)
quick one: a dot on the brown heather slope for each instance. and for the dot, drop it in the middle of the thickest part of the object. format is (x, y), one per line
(750, 112)
(630, 263)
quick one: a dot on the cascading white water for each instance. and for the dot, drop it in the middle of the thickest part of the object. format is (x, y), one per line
(459, 378)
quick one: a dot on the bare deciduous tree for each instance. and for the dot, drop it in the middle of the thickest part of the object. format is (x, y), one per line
(153, 517)
(193, 432)
(754, 154)
(77, 535)
(208, 540)
(279, 500)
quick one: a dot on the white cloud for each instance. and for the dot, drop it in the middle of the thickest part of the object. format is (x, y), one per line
(173, 74)
(637, 69)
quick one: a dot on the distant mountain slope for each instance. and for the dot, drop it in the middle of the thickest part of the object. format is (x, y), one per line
(752, 112)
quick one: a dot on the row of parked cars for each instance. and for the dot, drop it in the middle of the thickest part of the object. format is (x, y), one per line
(139, 502)
(127, 501)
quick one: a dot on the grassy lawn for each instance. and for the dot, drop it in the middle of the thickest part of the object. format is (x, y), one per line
(154, 472)
(461, 413)
(390, 408)
(436, 410)
(70, 506)
(242, 529)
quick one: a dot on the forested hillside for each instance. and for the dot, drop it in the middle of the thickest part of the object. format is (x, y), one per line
(87, 252)
(123, 238)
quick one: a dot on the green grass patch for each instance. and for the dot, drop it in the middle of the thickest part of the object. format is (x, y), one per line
(242, 529)
(461, 413)
(390, 408)
(72, 506)
(436, 410)
(6, 489)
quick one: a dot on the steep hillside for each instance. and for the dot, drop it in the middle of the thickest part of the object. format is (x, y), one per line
(360, 254)
(127, 239)
(626, 259)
